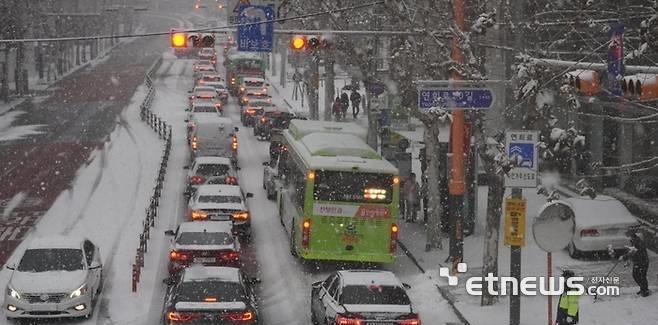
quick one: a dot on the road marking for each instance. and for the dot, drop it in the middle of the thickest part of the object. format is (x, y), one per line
(14, 234)
(6, 233)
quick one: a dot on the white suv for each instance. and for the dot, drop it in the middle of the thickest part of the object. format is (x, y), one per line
(56, 277)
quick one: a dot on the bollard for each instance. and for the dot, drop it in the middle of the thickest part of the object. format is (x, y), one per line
(135, 277)
(140, 257)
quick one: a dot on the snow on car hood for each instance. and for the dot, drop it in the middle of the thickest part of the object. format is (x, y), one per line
(231, 305)
(47, 282)
(389, 309)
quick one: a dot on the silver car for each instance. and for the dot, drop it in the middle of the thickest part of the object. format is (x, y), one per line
(56, 277)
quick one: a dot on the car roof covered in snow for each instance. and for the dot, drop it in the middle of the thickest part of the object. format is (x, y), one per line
(219, 190)
(56, 241)
(222, 273)
(602, 211)
(369, 277)
(212, 118)
(253, 79)
(206, 226)
(213, 160)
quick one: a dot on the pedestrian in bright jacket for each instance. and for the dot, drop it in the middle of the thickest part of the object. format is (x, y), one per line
(567, 307)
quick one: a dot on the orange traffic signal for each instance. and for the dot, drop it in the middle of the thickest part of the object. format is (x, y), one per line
(585, 81)
(298, 43)
(640, 86)
(178, 39)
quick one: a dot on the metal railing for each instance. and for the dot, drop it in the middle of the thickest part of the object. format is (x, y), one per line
(164, 132)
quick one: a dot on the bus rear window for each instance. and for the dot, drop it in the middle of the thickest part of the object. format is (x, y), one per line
(343, 186)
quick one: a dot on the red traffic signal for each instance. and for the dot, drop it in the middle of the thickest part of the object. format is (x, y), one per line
(585, 81)
(640, 86)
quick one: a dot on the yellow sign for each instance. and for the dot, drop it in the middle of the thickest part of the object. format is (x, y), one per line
(515, 222)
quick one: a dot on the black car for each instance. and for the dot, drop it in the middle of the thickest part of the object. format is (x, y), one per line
(362, 297)
(272, 120)
(211, 295)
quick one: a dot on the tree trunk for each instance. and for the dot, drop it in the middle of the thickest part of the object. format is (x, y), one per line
(492, 230)
(435, 210)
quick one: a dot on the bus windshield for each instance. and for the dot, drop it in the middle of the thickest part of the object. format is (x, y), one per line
(347, 186)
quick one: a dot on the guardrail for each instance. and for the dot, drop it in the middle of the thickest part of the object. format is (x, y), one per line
(164, 132)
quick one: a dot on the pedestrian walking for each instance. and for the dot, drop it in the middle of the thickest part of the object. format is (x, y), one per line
(345, 101)
(355, 98)
(337, 108)
(637, 253)
(568, 305)
(411, 192)
(296, 78)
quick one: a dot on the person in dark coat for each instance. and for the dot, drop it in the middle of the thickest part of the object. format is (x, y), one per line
(568, 305)
(637, 253)
(337, 108)
(345, 101)
(355, 97)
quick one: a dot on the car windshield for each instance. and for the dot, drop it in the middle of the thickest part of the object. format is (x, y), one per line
(203, 62)
(212, 78)
(373, 295)
(219, 199)
(223, 291)
(204, 238)
(212, 169)
(51, 259)
(259, 103)
(201, 89)
(249, 83)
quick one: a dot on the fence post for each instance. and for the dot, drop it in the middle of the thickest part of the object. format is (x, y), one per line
(135, 278)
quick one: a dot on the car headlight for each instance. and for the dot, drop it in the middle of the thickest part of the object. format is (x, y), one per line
(13, 293)
(79, 291)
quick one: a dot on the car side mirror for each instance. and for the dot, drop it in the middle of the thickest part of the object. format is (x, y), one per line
(406, 286)
(266, 163)
(11, 267)
(253, 280)
(189, 91)
(250, 195)
(238, 168)
(95, 265)
(186, 167)
(187, 120)
(236, 129)
(317, 284)
(170, 233)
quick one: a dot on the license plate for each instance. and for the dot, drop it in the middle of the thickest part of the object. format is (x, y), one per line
(381, 323)
(220, 217)
(204, 259)
(350, 239)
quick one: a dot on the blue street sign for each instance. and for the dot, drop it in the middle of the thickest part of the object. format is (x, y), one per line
(525, 150)
(450, 98)
(376, 88)
(255, 28)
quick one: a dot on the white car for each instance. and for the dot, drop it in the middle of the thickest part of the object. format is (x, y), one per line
(600, 223)
(222, 203)
(253, 85)
(205, 167)
(362, 297)
(57, 276)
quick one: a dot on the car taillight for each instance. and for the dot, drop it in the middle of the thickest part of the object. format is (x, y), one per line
(231, 181)
(349, 320)
(264, 90)
(202, 82)
(178, 256)
(251, 111)
(306, 232)
(234, 143)
(394, 238)
(229, 256)
(239, 316)
(241, 88)
(174, 316)
(194, 144)
(589, 233)
(412, 319)
(263, 120)
(241, 216)
(198, 215)
(196, 180)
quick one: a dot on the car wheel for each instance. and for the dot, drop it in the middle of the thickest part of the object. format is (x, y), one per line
(573, 251)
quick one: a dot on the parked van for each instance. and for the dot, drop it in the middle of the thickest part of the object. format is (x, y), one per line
(214, 136)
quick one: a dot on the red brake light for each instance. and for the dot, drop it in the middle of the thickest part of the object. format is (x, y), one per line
(589, 233)
(241, 216)
(178, 256)
(229, 256)
(394, 238)
(251, 111)
(239, 316)
(411, 321)
(263, 120)
(351, 320)
(196, 180)
(175, 316)
(306, 233)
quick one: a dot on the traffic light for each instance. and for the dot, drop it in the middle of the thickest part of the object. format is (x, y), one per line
(312, 43)
(640, 86)
(585, 81)
(202, 40)
(178, 39)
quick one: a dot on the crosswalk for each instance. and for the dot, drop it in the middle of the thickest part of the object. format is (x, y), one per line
(17, 225)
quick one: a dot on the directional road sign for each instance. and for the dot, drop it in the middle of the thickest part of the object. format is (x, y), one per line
(255, 28)
(521, 148)
(453, 98)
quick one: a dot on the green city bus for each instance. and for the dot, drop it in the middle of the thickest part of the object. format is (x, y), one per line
(338, 198)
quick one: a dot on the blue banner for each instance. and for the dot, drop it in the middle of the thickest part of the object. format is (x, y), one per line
(616, 59)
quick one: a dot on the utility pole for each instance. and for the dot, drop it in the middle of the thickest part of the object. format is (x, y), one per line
(456, 186)
(284, 60)
(328, 84)
(312, 88)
